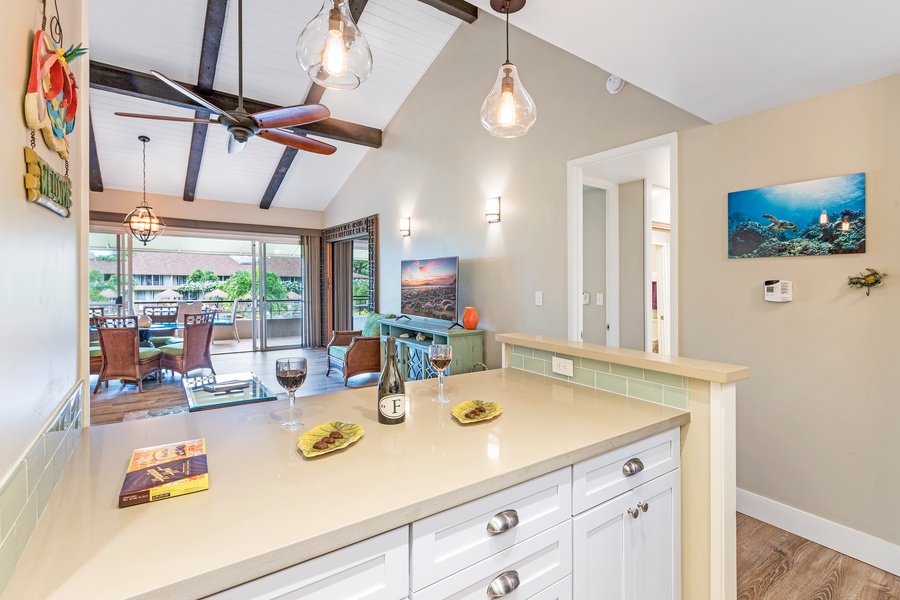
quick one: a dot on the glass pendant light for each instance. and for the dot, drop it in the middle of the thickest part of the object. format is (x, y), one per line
(508, 111)
(332, 50)
(142, 222)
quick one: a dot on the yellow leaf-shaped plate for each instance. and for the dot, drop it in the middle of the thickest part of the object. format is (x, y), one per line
(350, 431)
(491, 410)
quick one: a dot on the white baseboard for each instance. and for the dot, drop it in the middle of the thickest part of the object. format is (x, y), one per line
(861, 546)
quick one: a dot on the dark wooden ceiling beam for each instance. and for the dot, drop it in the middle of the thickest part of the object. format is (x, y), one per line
(96, 179)
(142, 85)
(313, 96)
(206, 77)
(278, 177)
(455, 8)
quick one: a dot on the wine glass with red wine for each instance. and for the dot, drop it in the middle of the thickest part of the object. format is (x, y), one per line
(291, 373)
(440, 355)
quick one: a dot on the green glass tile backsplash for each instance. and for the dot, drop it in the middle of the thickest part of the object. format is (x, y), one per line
(653, 386)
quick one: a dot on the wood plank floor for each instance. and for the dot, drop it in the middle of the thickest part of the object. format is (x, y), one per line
(111, 405)
(773, 564)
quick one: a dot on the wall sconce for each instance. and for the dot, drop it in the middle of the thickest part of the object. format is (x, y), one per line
(404, 227)
(492, 210)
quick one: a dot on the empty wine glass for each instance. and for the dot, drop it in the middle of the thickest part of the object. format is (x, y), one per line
(440, 355)
(291, 373)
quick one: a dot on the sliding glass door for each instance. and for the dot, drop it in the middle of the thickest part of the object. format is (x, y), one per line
(281, 295)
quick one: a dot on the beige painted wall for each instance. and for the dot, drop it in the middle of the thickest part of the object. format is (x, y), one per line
(631, 265)
(123, 202)
(40, 250)
(438, 165)
(594, 276)
(817, 421)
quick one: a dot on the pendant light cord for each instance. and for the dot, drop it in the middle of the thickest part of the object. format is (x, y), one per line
(507, 30)
(144, 198)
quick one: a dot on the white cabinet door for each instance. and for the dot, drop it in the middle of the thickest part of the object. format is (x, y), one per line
(373, 569)
(618, 556)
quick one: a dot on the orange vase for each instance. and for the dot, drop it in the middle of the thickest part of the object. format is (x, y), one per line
(470, 317)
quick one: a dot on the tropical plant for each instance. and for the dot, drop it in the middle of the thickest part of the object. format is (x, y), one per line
(198, 283)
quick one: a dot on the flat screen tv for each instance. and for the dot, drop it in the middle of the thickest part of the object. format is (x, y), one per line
(428, 288)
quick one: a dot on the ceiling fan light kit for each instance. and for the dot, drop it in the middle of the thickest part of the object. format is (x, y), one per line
(508, 111)
(144, 224)
(332, 50)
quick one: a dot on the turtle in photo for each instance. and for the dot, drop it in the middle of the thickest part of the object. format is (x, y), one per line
(779, 225)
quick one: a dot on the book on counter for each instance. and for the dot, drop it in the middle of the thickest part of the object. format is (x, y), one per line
(161, 472)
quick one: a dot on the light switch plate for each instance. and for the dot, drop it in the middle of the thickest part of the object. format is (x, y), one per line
(585, 298)
(599, 299)
(539, 298)
(562, 366)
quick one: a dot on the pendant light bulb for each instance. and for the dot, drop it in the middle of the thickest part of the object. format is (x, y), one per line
(508, 111)
(332, 50)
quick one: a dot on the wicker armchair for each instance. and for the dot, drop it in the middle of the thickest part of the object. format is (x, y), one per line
(193, 352)
(356, 352)
(122, 357)
(162, 313)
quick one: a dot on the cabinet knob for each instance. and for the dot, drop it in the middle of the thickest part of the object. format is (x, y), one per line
(503, 521)
(643, 506)
(632, 467)
(503, 584)
(634, 513)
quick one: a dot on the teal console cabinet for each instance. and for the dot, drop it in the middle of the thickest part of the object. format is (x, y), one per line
(412, 354)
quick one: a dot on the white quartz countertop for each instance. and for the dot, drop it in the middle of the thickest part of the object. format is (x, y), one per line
(268, 507)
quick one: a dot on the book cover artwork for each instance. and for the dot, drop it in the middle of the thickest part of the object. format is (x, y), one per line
(161, 472)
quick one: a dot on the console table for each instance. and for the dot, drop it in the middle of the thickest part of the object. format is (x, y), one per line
(412, 354)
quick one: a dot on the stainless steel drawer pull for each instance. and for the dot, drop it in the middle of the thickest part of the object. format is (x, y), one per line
(634, 513)
(503, 584)
(632, 467)
(643, 506)
(503, 521)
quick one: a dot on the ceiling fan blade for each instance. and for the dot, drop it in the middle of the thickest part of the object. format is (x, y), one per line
(290, 116)
(234, 145)
(296, 141)
(166, 118)
(177, 86)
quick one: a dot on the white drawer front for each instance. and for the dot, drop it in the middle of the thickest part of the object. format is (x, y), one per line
(374, 569)
(598, 479)
(456, 538)
(561, 590)
(537, 562)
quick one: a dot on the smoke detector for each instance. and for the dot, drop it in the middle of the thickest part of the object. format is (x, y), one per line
(614, 84)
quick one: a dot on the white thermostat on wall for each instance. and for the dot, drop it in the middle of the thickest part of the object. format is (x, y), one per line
(778, 290)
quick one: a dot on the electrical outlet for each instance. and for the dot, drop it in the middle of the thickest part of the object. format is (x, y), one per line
(562, 366)
(539, 298)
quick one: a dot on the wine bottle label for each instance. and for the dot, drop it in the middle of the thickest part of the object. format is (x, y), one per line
(393, 406)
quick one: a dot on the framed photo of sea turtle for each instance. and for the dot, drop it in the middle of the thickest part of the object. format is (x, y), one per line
(808, 218)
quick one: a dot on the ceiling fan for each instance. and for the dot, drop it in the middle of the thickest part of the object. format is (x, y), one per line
(241, 125)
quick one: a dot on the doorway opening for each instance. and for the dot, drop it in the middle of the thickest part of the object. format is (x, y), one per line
(623, 277)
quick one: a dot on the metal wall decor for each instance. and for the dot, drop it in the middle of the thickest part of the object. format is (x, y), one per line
(868, 280)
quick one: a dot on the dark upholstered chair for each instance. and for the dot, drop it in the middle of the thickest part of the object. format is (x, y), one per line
(355, 352)
(121, 356)
(193, 351)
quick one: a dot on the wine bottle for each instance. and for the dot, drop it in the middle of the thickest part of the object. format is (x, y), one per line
(391, 389)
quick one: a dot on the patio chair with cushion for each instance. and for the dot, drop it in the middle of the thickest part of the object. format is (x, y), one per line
(192, 352)
(121, 356)
(163, 314)
(355, 352)
(228, 322)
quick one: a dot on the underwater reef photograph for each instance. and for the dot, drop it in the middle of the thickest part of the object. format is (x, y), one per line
(808, 218)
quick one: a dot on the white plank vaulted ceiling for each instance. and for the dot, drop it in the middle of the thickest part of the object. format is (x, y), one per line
(166, 36)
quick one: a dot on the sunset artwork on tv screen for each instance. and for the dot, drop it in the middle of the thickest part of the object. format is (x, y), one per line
(428, 288)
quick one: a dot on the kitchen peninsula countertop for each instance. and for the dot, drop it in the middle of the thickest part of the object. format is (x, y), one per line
(268, 507)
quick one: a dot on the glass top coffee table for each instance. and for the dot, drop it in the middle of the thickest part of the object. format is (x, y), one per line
(228, 389)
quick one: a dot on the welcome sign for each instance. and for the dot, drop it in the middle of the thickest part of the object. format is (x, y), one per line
(45, 186)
